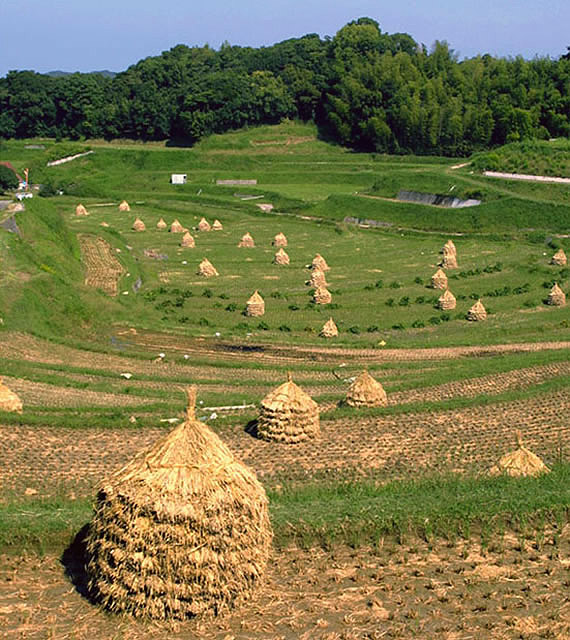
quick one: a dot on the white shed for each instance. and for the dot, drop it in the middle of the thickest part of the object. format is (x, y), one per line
(178, 178)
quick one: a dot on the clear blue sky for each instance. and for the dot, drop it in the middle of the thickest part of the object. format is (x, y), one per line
(87, 35)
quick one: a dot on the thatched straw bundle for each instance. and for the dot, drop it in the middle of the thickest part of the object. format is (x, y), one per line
(255, 306)
(318, 279)
(366, 392)
(217, 225)
(449, 247)
(280, 240)
(246, 241)
(124, 206)
(446, 301)
(161, 225)
(322, 296)
(80, 210)
(139, 225)
(9, 401)
(521, 462)
(439, 280)
(187, 241)
(281, 257)
(181, 530)
(204, 225)
(287, 414)
(176, 227)
(559, 258)
(477, 312)
(449, 260)
(207, 269)
(329, 330)
(556, 297)
(319, 263)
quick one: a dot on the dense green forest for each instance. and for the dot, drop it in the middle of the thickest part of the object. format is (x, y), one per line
(364, 88)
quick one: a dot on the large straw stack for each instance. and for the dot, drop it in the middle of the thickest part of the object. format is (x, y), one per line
(521, 462)
(439, 280)
(449, 260)
(280, 240)
(181, 530)
(317, 279)
(176, 227)
(255, 306)
(204, 225)
(319, 263)
(207, 269)
(246, 241)
(322, 295)
(559, 258)
(217, 225)
(446, 301)
(366, 392)
(281, 257)
(187, 241)
(124, 206)
(161, 225)
(477, 313)
(139, 225)
(556, 297)
(287, 414)
(329, 330)
(9, 401)
(80, 210)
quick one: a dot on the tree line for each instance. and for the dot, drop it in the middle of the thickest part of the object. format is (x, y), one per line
(364, 88)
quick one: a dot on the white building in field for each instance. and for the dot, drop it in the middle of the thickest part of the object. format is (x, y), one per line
(178, 178)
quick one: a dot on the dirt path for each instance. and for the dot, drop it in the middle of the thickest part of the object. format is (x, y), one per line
(524, 176)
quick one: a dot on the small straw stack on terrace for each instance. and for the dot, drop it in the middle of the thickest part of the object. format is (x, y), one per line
(446, 301)
(187, 241)
(521, 462)
(246, 241)
(217, 225)
(329, 330)
(255, 306)
(281, 257)
(280, 240)
(207, 269)
(322, 296)
(559, 258)
(204, 225)
(139, 225)
(477, 313)
(161, 225)
(176, 227)
(9, 401)
(439, 280)
(287, 414)
(80, 210)
(319, 263)
(449, 260)
(182, 530)
(318, 279)
(366, 392)
(556, 297)
(124, 206)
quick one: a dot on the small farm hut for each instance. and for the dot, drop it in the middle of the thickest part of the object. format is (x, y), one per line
(255, 306)
(556, 297)
(217, 225)
(124, 206)
(80, 210)
(139, 225)
(187, 241)
(280, 240)
(446, 301)
(281, 257)
(559, 258)
(329, 330)
(439, 280)
(246, 241)
(317, 279)
(204, 225)
(207, 269)
(287, 414)
(161, 225)
(320, 263)
(521, 462)
(181, 530)
(477, 313)
(322, 296)
(366, 392)
(9, 401)
(176, 227)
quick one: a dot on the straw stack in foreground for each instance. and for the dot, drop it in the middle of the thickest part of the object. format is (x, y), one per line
(559, 258)
(161, 225)
(446, 301)
(329, 330)
(322, 295)
(124, 206)
(217, 225)
(317, 279)
(366, 392)
(207, 269)
(521, 462)
(80, 210)
(439, 280)
(181, 530)
(9, 401)
(246, 241)
(204, 225)
(556, 297)
(280, 240)
(477, 313)
(187, 241)
(139, 225)
(281, 257)
(176, 227)
(255, 306)
(319, 263)
(287, 414)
